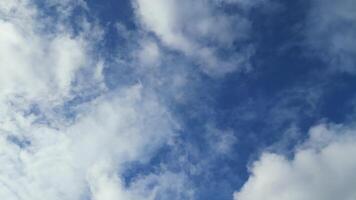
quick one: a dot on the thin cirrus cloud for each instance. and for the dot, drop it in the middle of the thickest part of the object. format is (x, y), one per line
(330, 32)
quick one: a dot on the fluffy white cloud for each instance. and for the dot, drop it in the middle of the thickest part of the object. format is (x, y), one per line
(65, 163)
(200, 30)
(36, 64)
(322, 168)
(331, 32)
(47, 155)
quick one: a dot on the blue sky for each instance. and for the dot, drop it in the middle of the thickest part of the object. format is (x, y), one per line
(177, 99)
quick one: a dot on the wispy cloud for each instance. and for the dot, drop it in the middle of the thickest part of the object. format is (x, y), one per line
(331, 31)
(200, 30)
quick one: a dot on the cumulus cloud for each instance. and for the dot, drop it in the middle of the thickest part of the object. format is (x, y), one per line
(331, 32)
(322, 168)
(46, 153)
(200, 30)
(66, 163)
(38, 65)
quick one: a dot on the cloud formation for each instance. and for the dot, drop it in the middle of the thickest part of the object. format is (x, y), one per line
(83, 119)
(37, 63)
(201, 30)
(331, 32)
(322, 168)
(63, 133)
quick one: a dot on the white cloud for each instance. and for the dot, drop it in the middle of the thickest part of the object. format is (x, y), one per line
(62, 164)
(45, 155)
(149, 54)
(38, 65)
(199, 30)
(322, 168)
(331, 32)
(104, 184)
(165, 185)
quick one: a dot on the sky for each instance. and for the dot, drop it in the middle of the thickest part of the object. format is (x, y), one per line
(177, 100)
